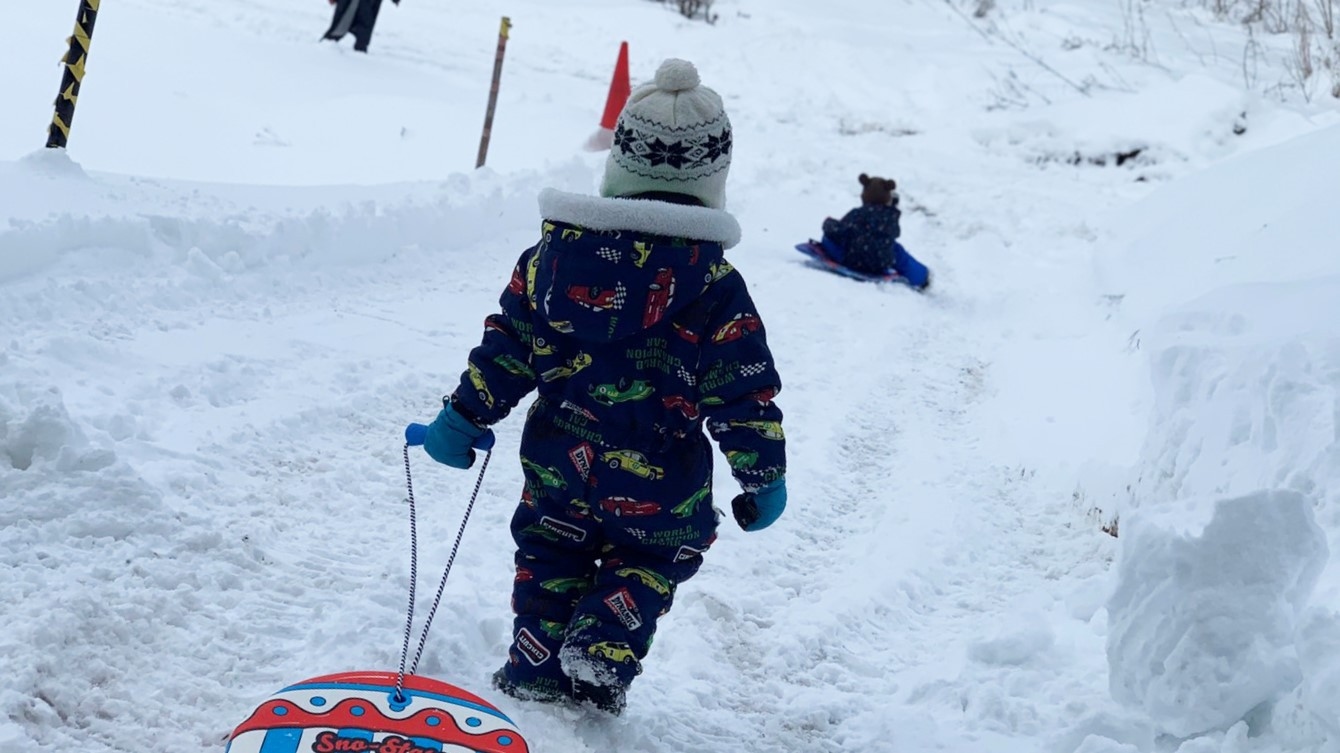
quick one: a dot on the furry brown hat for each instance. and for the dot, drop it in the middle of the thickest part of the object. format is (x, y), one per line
(878, 190)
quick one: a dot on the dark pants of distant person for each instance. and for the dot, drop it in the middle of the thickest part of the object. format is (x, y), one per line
(355, 17)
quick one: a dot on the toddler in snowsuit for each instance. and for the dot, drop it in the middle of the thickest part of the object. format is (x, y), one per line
(866, 239)
(867, 233)
(636, 332)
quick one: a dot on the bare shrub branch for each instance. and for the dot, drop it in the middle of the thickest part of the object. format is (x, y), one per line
(1326, 14)
(695, 9)
(1299, 63)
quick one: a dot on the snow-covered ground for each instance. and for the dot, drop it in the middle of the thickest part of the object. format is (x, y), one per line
(263, 255)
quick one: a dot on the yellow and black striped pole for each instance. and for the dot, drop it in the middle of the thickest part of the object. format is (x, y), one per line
(74, 61)
(493, 92)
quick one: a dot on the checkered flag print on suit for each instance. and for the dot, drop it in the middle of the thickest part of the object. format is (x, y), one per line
(753, 369)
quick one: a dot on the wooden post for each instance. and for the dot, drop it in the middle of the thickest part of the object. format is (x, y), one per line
(59, 132)
(493, 92)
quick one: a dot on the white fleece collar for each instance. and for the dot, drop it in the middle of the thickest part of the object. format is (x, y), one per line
(654, 217)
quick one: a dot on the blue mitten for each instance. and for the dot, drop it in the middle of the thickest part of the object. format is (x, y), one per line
(451, 439)
(757, 510)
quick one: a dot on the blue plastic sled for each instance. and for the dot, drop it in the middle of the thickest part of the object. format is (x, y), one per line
(906, 269)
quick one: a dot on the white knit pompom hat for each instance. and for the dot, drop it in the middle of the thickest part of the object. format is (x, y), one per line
(673, 135)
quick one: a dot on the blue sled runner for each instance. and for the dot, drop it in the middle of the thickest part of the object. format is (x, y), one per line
(906, 269)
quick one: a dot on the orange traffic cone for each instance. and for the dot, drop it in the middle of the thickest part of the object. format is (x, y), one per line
(620, 88)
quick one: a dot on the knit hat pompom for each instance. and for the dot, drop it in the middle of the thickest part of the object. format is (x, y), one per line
(673, 136)
(676, 75)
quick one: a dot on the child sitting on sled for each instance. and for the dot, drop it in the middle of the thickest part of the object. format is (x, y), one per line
(865, 240)
(637, 334)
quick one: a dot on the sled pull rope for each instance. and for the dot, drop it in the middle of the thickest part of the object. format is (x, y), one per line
(399, 696)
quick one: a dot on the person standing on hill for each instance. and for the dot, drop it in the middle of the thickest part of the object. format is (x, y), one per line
(355, 17)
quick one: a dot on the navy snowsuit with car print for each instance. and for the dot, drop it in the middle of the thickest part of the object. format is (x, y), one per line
(634, 342)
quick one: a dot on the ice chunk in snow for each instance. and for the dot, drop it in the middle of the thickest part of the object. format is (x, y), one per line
(1201, 622)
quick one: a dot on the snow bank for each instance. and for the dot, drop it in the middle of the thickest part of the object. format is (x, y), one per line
(36, 430)
(1202, 617)
(1246, 391)
(1266, 216)
(68, 505)
(58, 208)
(1230, 283)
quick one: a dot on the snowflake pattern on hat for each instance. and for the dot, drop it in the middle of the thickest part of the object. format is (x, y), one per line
(698, 154)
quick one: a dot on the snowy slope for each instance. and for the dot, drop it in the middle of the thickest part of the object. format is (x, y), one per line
(263, 255)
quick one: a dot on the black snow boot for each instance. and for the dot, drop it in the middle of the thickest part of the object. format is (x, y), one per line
(608, 698)
(525, 692)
